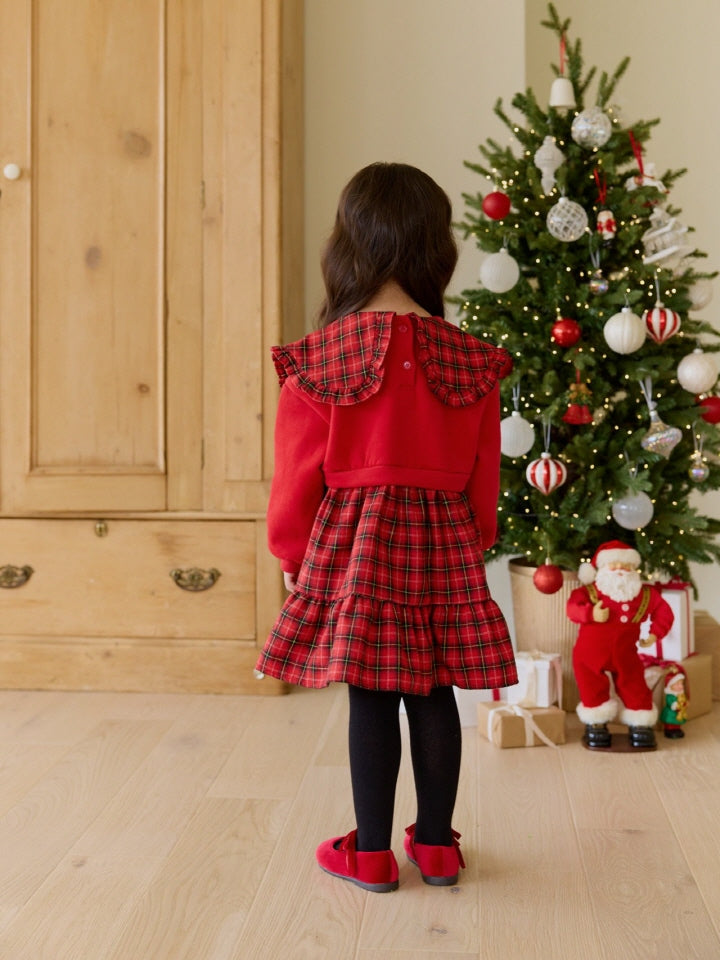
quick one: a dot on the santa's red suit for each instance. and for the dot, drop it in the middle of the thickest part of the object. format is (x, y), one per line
(611, 647)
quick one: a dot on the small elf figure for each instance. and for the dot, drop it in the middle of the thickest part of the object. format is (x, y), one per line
(674, 712)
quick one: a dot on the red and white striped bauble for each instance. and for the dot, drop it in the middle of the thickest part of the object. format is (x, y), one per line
(662, 323)
(546, 474)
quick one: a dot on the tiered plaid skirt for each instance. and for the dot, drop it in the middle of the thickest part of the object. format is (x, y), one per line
(392, 595)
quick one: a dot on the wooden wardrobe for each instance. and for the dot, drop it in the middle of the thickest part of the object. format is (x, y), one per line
(150, 254)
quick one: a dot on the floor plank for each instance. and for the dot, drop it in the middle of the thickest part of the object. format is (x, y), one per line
(183, 827)
(197, 904)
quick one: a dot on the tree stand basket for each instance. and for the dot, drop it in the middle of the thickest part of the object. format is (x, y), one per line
(541, 622)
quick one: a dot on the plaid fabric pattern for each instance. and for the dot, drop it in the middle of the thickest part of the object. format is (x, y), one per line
(343, 363)
(392, 595)
(460, 369)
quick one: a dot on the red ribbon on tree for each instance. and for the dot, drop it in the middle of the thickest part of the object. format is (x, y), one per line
(637, 150)
(562, 55)
(601, 186)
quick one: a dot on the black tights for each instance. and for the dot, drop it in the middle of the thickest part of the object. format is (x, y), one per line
(375, 747)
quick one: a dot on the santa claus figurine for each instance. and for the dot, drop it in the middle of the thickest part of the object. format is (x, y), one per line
(610, 608)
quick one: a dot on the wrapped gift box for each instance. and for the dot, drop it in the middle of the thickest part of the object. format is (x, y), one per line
(540, 680)
(680, 641)
(510, 725)
(698, 671)
(540, 686)
(707, 640)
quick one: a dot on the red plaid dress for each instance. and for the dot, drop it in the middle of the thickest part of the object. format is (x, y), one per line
(384, 494)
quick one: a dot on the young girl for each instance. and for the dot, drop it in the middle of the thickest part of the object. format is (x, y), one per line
(383, 499)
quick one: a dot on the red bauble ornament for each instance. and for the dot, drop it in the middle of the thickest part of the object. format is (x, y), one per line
(566, 331)
(710, 408)
(548, 578)
(496, 205)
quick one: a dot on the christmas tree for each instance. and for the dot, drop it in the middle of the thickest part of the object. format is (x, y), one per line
(592, 284)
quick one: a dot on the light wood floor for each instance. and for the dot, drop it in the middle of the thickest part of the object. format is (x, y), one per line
(138, 827)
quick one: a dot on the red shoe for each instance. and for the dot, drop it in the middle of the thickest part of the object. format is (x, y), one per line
(438, 865)
(373, 870)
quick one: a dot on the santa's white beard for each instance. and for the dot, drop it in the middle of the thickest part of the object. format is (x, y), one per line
(619, 585)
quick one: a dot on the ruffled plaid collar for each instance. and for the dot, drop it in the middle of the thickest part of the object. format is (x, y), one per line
(343, 362)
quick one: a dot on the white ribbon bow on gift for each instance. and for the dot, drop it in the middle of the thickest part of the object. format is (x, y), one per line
(514, 709)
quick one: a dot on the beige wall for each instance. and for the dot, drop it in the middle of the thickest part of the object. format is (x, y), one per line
(416, 80)
(402, 80)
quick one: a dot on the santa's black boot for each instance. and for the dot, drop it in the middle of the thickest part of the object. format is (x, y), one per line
(642, 737)
(597, 736)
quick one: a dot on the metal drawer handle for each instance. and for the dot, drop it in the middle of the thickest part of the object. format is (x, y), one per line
(12, 577)
(195, 579)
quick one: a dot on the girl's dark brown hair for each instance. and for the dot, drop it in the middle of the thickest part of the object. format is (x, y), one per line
(393, 223)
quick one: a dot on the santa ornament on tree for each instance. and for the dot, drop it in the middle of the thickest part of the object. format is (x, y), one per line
(609, 607)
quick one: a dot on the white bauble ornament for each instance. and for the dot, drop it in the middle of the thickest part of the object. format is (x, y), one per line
(633, 511)
(562, 94)
(591, 128)
(546, 474)
(548, 158)
(516, 435)
(661, 322)
(567, 220)
(697, 372)
(499, 272)
(700, 293)
(625, 331)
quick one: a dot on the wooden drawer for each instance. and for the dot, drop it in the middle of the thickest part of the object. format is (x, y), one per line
(120, 584)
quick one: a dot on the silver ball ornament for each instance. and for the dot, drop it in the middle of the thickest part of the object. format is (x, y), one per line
(699, 470)
(591, 128)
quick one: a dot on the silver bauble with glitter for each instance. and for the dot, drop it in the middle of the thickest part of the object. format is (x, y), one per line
(660, 438)
(591, 128)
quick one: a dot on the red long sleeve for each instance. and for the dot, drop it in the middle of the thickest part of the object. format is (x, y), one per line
(298, 483)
